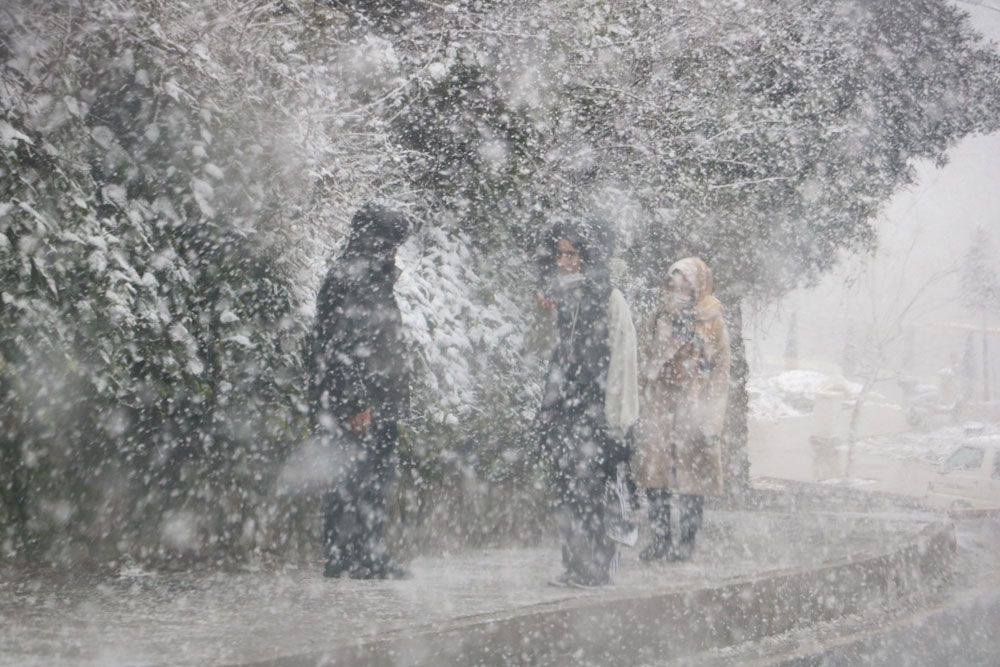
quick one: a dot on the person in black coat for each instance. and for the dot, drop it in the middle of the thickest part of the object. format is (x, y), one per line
(359, 389)
(576, 438)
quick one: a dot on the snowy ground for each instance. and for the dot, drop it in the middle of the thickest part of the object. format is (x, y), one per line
(783, 421)
(147, 618)
(928, 446)
(143, 617)
(791, 393)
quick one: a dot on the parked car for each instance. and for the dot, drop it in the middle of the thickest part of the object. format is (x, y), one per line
(970, 477)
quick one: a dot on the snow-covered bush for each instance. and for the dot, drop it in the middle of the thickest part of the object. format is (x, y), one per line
(148, 317)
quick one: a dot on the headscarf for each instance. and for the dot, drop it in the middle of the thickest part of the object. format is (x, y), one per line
(706, 307)
(684, 323)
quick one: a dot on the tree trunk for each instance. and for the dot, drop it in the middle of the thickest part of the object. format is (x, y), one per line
(13, 483)
(986, 363)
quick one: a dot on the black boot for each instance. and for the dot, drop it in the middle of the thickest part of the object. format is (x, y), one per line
(333, 569)
(659, 526)
(691, 508)
(379, 568)
(657, 550)
(338, 561)
(682, 552)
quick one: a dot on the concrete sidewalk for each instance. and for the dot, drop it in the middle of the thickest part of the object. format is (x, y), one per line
(297, 617)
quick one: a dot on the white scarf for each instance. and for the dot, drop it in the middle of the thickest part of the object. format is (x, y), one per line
(621, 402)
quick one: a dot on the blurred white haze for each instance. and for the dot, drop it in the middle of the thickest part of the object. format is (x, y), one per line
(895, 317)
(162, 489)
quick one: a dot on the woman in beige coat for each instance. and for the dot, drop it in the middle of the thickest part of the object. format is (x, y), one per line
(685, 391)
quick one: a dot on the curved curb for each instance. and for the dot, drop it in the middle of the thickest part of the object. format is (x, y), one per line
(958, 631)
(974, 514)
(606, 629)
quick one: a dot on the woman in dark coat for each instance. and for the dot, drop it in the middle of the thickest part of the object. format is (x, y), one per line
(583, 424)
(359, 389)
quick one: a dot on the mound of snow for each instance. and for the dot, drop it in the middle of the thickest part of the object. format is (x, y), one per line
(930, 446)
(792, 393)
(807, 384)
(770, 408)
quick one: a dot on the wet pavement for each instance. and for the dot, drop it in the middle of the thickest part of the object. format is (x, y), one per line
(224, 618)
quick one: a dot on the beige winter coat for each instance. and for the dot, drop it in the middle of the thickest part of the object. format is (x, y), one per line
(685, 389)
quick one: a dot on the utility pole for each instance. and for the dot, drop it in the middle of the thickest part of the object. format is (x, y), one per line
(986, 360)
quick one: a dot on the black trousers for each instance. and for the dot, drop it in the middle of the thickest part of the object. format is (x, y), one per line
(690, 510)
(356, 509)
(579, 455)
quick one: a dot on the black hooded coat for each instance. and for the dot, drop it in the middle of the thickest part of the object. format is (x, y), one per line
(360, 362)
(576, 381)
(575, 436)
(359, 358)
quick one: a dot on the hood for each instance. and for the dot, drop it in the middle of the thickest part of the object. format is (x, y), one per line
(699, 275)
(377, 228)
(369, 259)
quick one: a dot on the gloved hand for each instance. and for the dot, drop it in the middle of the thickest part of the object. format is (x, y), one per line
(617, 451)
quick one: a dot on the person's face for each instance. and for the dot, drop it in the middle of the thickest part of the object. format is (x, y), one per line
(567, 258)
(679, 290)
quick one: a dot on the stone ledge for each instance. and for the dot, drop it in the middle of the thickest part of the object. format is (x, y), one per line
(612, 628)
